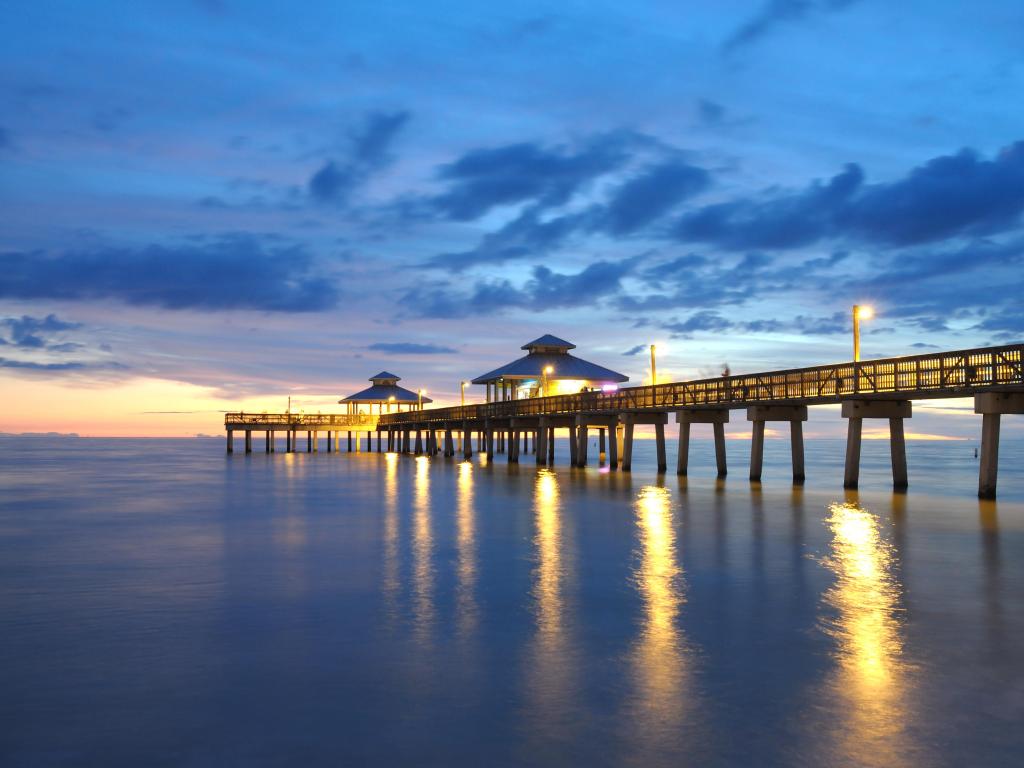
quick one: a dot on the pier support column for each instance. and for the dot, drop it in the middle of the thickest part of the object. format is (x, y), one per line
(619, 438)
(756, 451)
(795, 415)
(467, 441)
(369, 443)
(628, 422)
(350, 441)
(574, 446)
(717, 418)
(659, 439)
(316, 441)
(512, 448)
(551, 445)
(893, 410)
(601, 443)
(378, 441)
(582, 438)
(248, 441)
(309, 441)
(991, 406)
(231, 441)
(613, 446)
(273, 441)
(419, 442)
(266, 437)
(542, 442)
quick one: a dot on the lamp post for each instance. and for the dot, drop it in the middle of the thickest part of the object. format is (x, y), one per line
(548, 370)
(654, 368)
(463, 384)
(859, 313)
(421, 393)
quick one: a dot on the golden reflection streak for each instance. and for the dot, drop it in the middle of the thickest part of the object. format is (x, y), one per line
(550, 670)
(660, 669)
(871, 678)
(422, 550)
(390, 584)
(465, 544)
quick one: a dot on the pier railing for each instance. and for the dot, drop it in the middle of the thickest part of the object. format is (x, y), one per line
(300, 420)
(940, 374)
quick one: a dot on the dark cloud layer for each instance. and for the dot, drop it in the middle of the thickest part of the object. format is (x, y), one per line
(234, 272)
(410, 348)
(775, 13)
(545, 290)
(648, 196)
(368, 151)
(486, 178)
(34, 332)
(949, 196)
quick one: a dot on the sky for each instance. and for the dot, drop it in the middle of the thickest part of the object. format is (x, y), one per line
(218, 204)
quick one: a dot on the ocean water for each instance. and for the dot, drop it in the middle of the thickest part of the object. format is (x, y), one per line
(162, 604)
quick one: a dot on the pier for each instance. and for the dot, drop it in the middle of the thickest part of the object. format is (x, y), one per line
(873, 389)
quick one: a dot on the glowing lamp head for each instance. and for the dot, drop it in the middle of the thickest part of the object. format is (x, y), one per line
(391, 399)
(609, 387)
(549, 370)
(865, 312)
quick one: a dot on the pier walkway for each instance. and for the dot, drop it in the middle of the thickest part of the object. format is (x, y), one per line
(871, 389)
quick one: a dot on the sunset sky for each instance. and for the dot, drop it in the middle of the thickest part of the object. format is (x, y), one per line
(217, 204)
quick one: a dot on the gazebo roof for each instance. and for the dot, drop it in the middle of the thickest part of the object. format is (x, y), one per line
(383, 390)
(551, 351)
(547, 340)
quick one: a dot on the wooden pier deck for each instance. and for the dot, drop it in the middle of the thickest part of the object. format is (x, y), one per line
(873, 389)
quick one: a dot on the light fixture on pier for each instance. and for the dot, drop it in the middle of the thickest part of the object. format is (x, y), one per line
(391, 399)
(548, 370)
(654, 367)
(463, 384)
(860, 312)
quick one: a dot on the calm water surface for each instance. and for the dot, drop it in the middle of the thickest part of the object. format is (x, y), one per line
(162, 604)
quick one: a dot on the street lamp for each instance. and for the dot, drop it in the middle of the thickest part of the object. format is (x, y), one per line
(421, 393)
(859, 313)
(548, 370)
(463, 385)
(654, 368)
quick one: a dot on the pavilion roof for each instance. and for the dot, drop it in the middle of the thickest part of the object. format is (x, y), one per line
(565, 366)
(382, 393)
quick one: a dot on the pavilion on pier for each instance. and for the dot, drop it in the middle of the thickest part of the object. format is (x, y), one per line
(385, 395)
(547, 369)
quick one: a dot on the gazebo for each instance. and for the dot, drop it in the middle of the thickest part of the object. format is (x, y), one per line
(385, 394)
(547, 369)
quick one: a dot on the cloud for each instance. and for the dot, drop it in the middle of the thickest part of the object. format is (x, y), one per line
(648, 196)
(711, 321)
(228, 273)
(27, 365)
(633, 351)
(775, 13)
(951, 195)
(528, 235)
(710, 112)
(545, 290)
(410, 348)
(30, 332)
(486, 178)
(367, 150)
(777, 221)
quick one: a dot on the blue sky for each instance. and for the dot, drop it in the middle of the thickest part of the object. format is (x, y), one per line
(262, 199)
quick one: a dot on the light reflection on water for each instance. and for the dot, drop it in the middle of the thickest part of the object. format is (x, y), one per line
(551, 668)
(661, 666)
(422, 553)
(466, 612)
(871, 681)
(386, 610)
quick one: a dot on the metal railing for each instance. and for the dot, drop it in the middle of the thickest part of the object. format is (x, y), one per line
(300, 420)
(939, 374)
